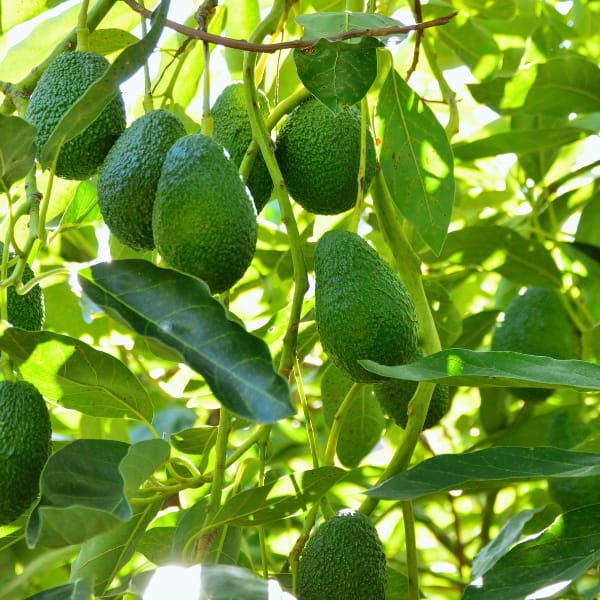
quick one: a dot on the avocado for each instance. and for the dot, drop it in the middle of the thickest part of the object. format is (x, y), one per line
(318, 152)
(394, 396)
(232, 129)
(567, 430)
(537, 323)
(25, 446)
(25, 310)
(128, 177)
(60, 86)
(343, 560)
(362, 309)
(203, 220)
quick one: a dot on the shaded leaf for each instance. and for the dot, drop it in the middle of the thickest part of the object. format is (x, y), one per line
(457, 366)
(510, 533)
(68, 371)
(103, 90)
(179, 311)
(17, 150)
(475, 327)
(156, 543)
(469, 471)
(503, 250)
(101, 558)
(78, 590)
(416, 160)
(447, 319)
(141, 460)
(197, 440)
(81, 494)
(561, 554)
(339, 74)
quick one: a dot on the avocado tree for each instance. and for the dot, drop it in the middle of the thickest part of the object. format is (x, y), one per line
(382, 349)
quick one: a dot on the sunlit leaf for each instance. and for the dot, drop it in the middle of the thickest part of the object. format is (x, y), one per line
(17, 150)
(179, 311)
(71, 372)
(500, 465)
(457, 366)
(416, 160)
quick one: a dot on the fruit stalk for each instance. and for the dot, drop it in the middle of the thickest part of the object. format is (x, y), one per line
(260, 134)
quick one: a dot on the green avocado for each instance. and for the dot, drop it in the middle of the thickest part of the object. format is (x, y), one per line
(537, 323)
(25, 446)
(128, 177)
(362, 309)
(318, 152)
(343, 560)
(60, 86)
(567, 430)
(203, 220)
(25, 310)
(232, 129)
(394, 395)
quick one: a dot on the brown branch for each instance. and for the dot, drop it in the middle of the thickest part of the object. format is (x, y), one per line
(415, 61)
(243, 45)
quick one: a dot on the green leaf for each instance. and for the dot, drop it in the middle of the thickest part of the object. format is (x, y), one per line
(561, 554)
(82, 209)
(510, 533)
(339, 74)
(523, 141)
(17, 150)
(501, 249)
(416, 160)
(475, 327)
(256, 506)
(197, 440)
(326, 24)
(101, 558)
(156, 544)
(491, 465)
(68, 371)
(457, 366)
(78, 590)
(179, 311)
(498, 9)
(240, 21)
(564, 85)
(141, 460)
(106, 41)
(82, 494)
(448, 321)
(103, 90)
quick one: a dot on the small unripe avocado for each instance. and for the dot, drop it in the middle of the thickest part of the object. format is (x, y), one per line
(203, 221)
(232, 129)
(25, 310)
(395, 394)
(537, 323)
(343, 560)
(128, 177)
(362, 309)
(567, 430)
(318, 152)
(60, 86)
(25, 446)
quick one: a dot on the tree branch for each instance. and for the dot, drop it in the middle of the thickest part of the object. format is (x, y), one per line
(251, 47)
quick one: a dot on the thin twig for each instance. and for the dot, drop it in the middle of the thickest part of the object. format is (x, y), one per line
(419, 34)
(253, 47)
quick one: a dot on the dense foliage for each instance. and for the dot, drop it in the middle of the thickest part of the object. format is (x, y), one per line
(194, 423)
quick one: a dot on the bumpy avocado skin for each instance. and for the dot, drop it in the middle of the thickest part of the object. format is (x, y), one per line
(59, 87)
(395, 394)
(567, 430)
(203, 221)
(537, 323)
(343, 560)
(319, 155)
(128, 177)
(232, 129)
(362, 309)
(25, 310)
(25, 445)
